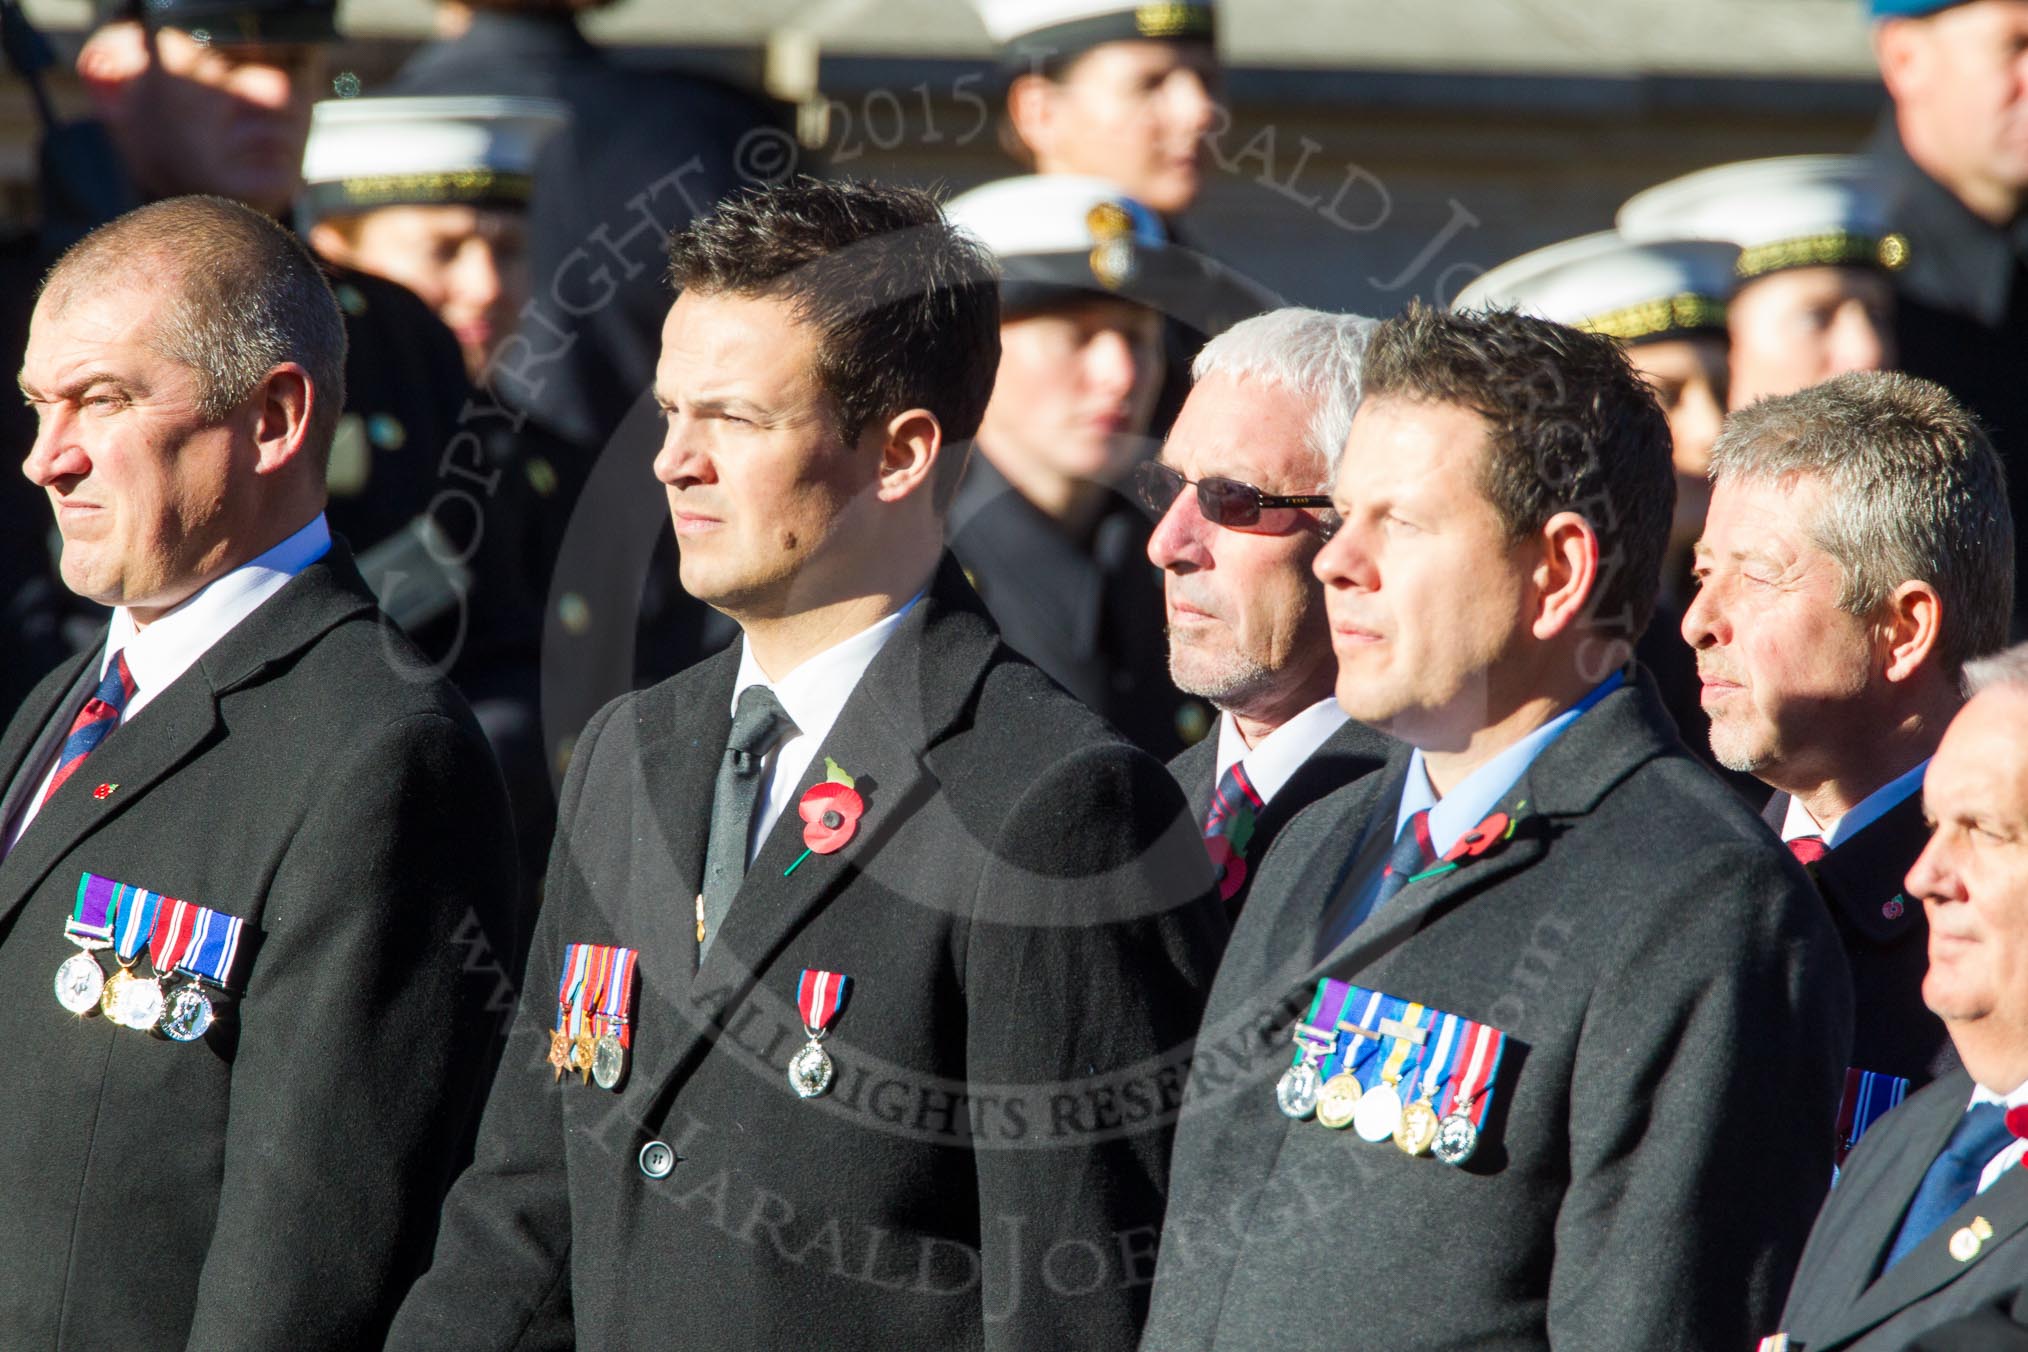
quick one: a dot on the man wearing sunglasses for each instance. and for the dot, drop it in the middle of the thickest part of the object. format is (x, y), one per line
(1585, 972)
(1241, 505)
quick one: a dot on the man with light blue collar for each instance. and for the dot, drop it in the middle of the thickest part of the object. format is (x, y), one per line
(1501, 1018)
(1859, 551)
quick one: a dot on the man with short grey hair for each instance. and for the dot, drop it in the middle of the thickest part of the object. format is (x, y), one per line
(1257, 444)
(1859, 551)
(253, 791)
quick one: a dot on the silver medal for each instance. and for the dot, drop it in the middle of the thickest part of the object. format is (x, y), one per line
(1456, 1139)
(1378, 1113)
(79, 983)
(609, 1061)
(187, 1013)
(810, 1070)
(1296, 1091)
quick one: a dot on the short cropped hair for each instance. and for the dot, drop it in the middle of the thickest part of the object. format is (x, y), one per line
(1913, 493)
(245, 296)
(1571, 428)
(1311, 354)
(906, 307)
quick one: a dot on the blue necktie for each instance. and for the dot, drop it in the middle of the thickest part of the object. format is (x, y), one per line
(1954, 1178)
(1413, 852)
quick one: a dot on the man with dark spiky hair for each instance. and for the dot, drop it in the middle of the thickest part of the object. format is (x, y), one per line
(1530, 989)
(900, 1074)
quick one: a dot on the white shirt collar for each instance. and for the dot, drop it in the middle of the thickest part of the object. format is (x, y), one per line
(170, 646)
(1274, 760)
(813, 695)
(2011, 1156)
(1875, 805)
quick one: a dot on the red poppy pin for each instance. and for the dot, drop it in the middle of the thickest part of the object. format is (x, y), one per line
(830, 811)
(1481, 838)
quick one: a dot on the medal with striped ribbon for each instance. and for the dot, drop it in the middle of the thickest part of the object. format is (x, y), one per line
(80, 980)
(1417, 1131)
(609, 1054)
(1296, 1091)
(819, 997)
(584, 1038)
(128, 1000)
(575, 958)
(1470, 1092)
(1356, 1025)
(1379, 1110)
(180, 927)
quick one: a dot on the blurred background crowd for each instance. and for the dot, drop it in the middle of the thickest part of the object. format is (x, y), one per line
(1754, 195)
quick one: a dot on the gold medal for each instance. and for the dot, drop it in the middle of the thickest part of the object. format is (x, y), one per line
(559, 1052)
(1417, 1130)
(1338, 1100)
(583, 1051)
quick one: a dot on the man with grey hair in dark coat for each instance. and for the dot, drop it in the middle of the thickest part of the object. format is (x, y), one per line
(1858, 552)
(1491, 1056)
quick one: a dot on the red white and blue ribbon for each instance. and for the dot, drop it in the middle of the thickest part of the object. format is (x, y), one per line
(576, 959)
(214, 946)
(175, 931)
(820, 996)
(1477, 1064)
(618, 995)
(134, 922)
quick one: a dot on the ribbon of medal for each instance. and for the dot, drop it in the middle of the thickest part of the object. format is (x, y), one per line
(80, 980)
(586, 1020)
(615, 1035)
(128, 1000)
(1470, 1093)
(1379, 1111)
(1296, 1091)
(1354, 1037)
(820, 996)
(575, 959)
(1419, 1120)
(1868, 1095)
(181, 930)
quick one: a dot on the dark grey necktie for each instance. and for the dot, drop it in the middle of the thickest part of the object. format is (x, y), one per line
(759, 725)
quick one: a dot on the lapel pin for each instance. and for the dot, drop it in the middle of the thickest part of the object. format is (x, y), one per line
(104, 791)
(1892, 908)
(1966, 1242)
(830, 811)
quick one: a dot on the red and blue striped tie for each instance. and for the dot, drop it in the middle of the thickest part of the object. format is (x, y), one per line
(94, 723)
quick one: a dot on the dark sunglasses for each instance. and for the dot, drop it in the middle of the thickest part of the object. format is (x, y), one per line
(1228, 502)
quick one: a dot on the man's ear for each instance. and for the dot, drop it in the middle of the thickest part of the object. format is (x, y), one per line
(1910, 622)
(281, 412)
(328, 242)
(911, 446)
(110, 61)
(1898, 51)
(1566, 574)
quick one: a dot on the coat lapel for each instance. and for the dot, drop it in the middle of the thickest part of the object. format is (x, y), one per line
(1929, 1266)
(39, 727)
(909, 698)
(180, 720)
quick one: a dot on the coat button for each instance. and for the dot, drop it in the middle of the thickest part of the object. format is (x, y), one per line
(657, 1159)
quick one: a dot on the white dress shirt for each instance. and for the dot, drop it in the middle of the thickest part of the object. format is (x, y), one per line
(2011, 1156)
(171, 645)
(1276, 758)
(1870, 809)
(813, 695)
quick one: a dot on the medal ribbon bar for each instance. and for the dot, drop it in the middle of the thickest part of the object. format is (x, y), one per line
(214, 946)
(1471, 1093)
(91, 916)
(135, 922)
(619, 995)
(175, 930)
(820, 996)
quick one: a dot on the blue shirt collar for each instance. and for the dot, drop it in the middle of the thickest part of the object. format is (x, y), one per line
(1471, 802)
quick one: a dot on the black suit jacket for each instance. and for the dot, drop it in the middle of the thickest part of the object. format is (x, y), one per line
(1349, 754)
(1677, 1017)
(1026, 916)
(1839, 1303)
(1886, 938)
(275, 1184)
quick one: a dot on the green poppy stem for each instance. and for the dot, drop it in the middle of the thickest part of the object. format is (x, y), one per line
(799, 859)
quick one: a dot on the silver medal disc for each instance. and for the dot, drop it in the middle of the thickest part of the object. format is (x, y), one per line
(609, 1061)
(1296, 1091)
(136, 1003)
(79, 982)
(1456, 1139)
(187, 1013)
(810, 1070)
(1378, 1113)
